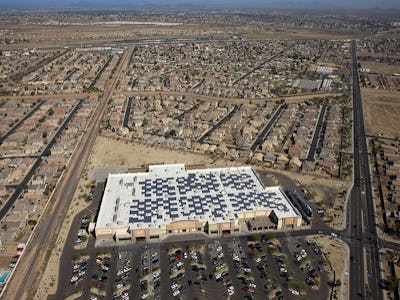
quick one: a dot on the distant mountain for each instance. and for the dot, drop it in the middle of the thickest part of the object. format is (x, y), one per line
(203, 4)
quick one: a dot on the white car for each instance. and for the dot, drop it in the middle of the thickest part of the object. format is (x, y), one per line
(176, 293)
(303, 253)
(174, 286)
(258, 260)
(144, 296)
(231, 292)
(127, 269)
(119, 285)
(294, 292)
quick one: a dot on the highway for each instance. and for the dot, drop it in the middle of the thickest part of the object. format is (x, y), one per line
(361, 227)
(24, 282)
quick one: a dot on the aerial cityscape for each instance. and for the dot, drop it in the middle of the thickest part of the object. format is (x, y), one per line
(216, 150)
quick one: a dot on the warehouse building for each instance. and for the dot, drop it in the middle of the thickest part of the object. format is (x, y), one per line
(170, 199)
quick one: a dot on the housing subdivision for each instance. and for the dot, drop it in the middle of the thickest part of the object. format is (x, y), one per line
(172, 199)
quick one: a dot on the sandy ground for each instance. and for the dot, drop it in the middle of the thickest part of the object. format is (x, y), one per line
(380, 67)
(338, 255)
(329, 193)
(48, 284)
(389, 256)
(381, 111)
(74, 296)
(120, 153)
(100, 33)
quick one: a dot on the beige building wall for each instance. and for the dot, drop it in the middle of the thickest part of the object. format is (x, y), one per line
(192, 226)
(104, 233)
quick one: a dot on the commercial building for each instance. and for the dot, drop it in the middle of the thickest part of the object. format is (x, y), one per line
(170, 199)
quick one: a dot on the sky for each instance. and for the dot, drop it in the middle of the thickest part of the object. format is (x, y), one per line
(188, 4)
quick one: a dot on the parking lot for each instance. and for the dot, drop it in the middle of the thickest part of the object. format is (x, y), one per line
(247, 267)
(258, 266)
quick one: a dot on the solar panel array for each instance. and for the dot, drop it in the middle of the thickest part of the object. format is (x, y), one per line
(212, 195)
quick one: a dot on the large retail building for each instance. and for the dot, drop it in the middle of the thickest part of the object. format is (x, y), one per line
(170, 199)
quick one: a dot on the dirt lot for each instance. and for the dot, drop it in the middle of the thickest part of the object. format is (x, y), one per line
(120, 153)
(380, 67)
(338, 255)
(381, 111)
(330, 194)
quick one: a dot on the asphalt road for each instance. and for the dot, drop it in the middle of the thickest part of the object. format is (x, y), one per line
(364, 265)
(218, 124)
(20, 187)
(127, 112)
(261, 137)
(260, 65)
(360, 233)
(317, 132)
(16, 125)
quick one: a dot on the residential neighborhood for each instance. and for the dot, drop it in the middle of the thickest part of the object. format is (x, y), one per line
(209, 150)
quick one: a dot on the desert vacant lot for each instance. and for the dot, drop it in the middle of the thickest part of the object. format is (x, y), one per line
(120, 153)
(381, 111)
(380, 67)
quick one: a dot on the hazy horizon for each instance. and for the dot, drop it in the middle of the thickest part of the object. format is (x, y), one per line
(198, 4)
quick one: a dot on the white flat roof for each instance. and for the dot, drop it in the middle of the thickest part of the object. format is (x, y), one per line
(169, 193)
